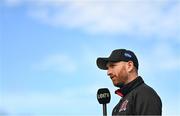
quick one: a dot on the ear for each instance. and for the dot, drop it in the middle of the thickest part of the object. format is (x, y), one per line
(129, 66)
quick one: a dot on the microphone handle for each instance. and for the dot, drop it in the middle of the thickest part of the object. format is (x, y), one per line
(104, 110)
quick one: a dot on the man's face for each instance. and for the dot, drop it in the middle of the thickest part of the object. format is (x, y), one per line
(117, 72)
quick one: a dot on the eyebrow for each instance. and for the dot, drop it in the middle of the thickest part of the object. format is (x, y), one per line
(110, 63)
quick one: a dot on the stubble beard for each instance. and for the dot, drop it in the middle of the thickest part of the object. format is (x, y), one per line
(123, 77)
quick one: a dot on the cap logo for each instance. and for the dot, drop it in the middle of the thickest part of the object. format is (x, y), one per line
(127, 55)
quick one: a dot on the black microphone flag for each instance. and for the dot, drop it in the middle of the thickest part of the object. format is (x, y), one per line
(104, 97)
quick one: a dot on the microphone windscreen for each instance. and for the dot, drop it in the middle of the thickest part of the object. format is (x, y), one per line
(103, 96)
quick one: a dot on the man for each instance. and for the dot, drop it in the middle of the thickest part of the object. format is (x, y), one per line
(137, 97)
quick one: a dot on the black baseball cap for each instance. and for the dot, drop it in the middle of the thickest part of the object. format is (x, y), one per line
(116, 56)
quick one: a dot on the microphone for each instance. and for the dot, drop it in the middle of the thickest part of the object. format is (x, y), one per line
(103, 97)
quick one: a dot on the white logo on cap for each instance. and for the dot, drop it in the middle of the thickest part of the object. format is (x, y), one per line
(127, 55)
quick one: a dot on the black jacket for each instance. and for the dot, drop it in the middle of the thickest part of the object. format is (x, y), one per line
(137, 99)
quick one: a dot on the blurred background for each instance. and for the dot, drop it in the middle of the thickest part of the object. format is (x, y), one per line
(48, 51)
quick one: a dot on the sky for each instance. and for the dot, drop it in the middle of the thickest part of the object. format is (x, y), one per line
(48, 52)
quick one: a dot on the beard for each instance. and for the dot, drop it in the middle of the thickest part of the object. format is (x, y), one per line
(120, 85)
(123, 77)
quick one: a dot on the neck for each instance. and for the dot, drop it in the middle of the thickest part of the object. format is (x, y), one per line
(131, 77)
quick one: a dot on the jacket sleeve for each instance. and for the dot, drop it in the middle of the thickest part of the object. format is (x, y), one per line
(147, 102)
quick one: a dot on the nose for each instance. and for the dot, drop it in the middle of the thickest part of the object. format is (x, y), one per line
(109, 72)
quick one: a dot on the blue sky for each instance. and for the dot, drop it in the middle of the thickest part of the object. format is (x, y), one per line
(49, 50)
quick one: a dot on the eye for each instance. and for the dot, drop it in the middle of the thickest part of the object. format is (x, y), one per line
(112, 65)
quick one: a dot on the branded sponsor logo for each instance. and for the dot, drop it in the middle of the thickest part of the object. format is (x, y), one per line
(123, 106)
(104, 95)
(127, 55)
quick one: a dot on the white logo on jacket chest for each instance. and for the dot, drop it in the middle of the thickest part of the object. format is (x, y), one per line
(123, 106)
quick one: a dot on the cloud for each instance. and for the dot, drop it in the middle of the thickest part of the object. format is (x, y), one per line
(137, 17)
(56, 62)
(13, 2)
(161, 57)
(57, 103)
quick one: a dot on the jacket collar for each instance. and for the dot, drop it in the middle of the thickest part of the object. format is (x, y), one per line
(129, 87)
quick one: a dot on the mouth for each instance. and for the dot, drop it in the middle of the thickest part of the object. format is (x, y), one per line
(113, 80)
(111, 77)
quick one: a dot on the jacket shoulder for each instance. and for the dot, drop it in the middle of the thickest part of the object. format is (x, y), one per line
(146, 90)
(147, 101)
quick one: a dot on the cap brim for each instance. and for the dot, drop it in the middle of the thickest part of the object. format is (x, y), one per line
(102, 62)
